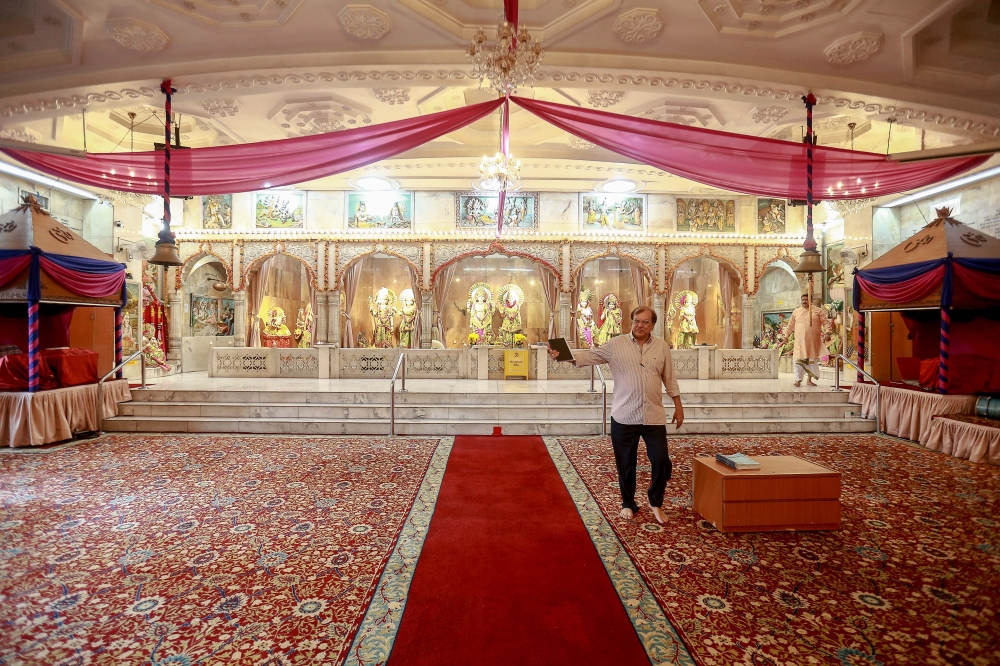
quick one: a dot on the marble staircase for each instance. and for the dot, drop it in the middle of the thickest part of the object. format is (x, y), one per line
(453, 413)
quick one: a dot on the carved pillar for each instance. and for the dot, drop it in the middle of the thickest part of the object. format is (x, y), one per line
(661, 270)
(321, 276)
(426, 318)
(660, 314)
(749, 323)
(751, 286)
(321, 318)
(333, 318)
(237, 272)
(427, 267)
(565, 305)
(175, 332)
(240, 318)
(565, 271)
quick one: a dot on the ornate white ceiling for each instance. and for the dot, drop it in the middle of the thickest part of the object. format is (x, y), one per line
(254, 70)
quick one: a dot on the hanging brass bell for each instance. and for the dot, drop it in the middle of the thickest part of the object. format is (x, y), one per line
(166, 255)
(809, 262)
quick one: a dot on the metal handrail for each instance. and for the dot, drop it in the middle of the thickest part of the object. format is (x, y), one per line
(401, 363)
(604, 399)
(100, 386)
(878, 387)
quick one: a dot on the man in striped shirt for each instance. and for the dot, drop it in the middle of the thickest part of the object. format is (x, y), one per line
(641, 366)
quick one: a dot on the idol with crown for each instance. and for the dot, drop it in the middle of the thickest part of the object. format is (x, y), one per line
(511, 300)
(611, 318)
(383, 311)
(585, 324)
(407, 318)
(480, 307)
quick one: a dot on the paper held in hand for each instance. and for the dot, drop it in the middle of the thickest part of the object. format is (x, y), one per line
(559, 344)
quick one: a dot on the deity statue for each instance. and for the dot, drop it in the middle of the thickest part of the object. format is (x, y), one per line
(585, 324)
(275, 324)
(481, 308)
(151, 351)
(383, 309)
(303, 326)
(511, 300)
(831, 337)
(611, 318)
(408, 318)
(685, 306)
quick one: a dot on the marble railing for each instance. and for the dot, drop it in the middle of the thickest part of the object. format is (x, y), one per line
(483, 362)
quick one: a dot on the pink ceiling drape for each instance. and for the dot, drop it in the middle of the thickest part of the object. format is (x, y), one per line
(766, 167)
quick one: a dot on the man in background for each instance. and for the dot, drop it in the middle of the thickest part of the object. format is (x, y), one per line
(807, 325)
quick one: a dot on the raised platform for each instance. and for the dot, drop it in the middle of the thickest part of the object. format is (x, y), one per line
(194, 402)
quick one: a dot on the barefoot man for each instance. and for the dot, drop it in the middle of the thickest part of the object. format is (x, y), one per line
(641, 366)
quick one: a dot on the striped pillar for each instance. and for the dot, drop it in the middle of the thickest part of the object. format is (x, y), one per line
(118, 341)
(861, 345)
(810, 242)
(944, 352)
(34, 358)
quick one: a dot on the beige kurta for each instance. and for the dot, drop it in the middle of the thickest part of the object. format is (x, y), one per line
(808, 339)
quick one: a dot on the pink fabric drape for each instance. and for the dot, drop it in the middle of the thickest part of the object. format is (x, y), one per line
(442, 284)
(254, 166)
(550, 287)
(907, 290)
(93, 285)
(639, 286)
(908, 414)
(574, 322)
(11, 268)
(979, 283)
(352, 278)
(33, 419)
(419, 324)
(977, 442)
(726, 291)
(255, 297)
(765, 167)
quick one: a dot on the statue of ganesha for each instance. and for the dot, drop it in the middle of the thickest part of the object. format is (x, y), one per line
(383, 310)
(585, 324)
(408, 318)
(511, 299)
(481, 308)
(303, 327)
(611, 318)
(151, 351)
(685, 306)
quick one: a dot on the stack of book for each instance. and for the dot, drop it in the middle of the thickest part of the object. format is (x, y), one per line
(737, 461)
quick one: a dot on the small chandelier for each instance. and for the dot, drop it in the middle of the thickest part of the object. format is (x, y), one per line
(125, 198)
(851, 206)
(500, 173)
(506, 63)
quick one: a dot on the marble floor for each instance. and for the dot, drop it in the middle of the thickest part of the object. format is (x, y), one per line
(200, 381)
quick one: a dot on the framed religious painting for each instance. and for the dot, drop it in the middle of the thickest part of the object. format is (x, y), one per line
(226, 316)
(478, 210)
(612, 212)
(771, 325)
(204, 315)
(380, 210)
(770, 216)
(280, 209)
(217, 211)
(130, 319)
(834, 269)
(716, 215)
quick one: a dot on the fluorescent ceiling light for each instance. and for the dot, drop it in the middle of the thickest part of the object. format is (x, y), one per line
(376, 183)
(45, 180)
(943, 187)
(618, 185)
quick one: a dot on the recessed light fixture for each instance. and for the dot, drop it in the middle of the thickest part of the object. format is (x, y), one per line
(375, 184)
(618, 186)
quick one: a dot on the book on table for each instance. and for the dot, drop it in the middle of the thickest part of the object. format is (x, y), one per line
(737, 461)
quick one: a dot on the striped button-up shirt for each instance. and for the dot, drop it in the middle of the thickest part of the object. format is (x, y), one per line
(640, 375)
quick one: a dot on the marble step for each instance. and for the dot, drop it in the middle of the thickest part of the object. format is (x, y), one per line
(483, 410)
(180, 424)
(512, 397)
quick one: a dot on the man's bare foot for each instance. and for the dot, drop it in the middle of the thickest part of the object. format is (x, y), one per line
(660, 517)
(798, 383)
(812, 383)
(627, 514)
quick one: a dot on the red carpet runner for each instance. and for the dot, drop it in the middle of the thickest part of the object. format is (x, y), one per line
(508, 573)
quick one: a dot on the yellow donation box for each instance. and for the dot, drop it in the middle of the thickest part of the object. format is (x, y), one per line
(515, 363)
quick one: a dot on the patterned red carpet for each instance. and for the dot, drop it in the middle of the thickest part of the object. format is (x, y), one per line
(911, 578)
(176, 550)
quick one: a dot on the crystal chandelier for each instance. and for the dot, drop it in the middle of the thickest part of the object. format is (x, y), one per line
(851, 206)
(508, 62)
(500, 173)
(134, 199)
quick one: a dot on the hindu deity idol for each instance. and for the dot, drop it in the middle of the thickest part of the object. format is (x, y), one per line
(831, 337)
(151, 351)
(611, 318)
(685, 307)
(408, 318)
(383, 310)
(275, 324)
(585, 324)
(303, 326)
(511, 300)
(481, 308)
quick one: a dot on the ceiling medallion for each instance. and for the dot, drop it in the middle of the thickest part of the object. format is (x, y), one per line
(392, 95)
(604, 98)
(364, 21)
(506, 63)
(854, 48)
(136, 35)
(134, 199)
(221, 107)
(638, 25)
(768, 114)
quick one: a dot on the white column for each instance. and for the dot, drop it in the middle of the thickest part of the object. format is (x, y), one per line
(660, 314)
(240, 318)
(175, 330)
(565, 306)
(237, 273)
(321, 318)
(749, 324)
(333, 318)
(426, 318)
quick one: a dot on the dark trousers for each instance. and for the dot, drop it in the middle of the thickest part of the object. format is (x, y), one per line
(625, 440)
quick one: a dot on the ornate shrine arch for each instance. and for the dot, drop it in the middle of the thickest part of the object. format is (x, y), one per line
(770, 256)
(581, 256)
(279, 248)
(466, 250)
(352, 255)
(704, 251)
(194, 256)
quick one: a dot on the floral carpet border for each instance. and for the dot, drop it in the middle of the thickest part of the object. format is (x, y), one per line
(658, 636)
(374, 639)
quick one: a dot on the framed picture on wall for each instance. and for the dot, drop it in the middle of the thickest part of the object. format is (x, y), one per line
(834, 270)
(772, 323)
(718, 215)
(380, 210)
(226, 316)
(130, 319)
(204, 315)
(217, 211)
(612, 212)
(478, 210)
(770, 216)
(280, 209)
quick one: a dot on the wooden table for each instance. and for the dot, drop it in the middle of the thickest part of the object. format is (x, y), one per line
(786, 493)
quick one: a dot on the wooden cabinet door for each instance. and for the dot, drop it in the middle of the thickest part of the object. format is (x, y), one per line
(94, 329)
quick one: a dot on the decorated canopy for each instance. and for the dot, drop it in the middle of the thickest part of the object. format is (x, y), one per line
(945, 264)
